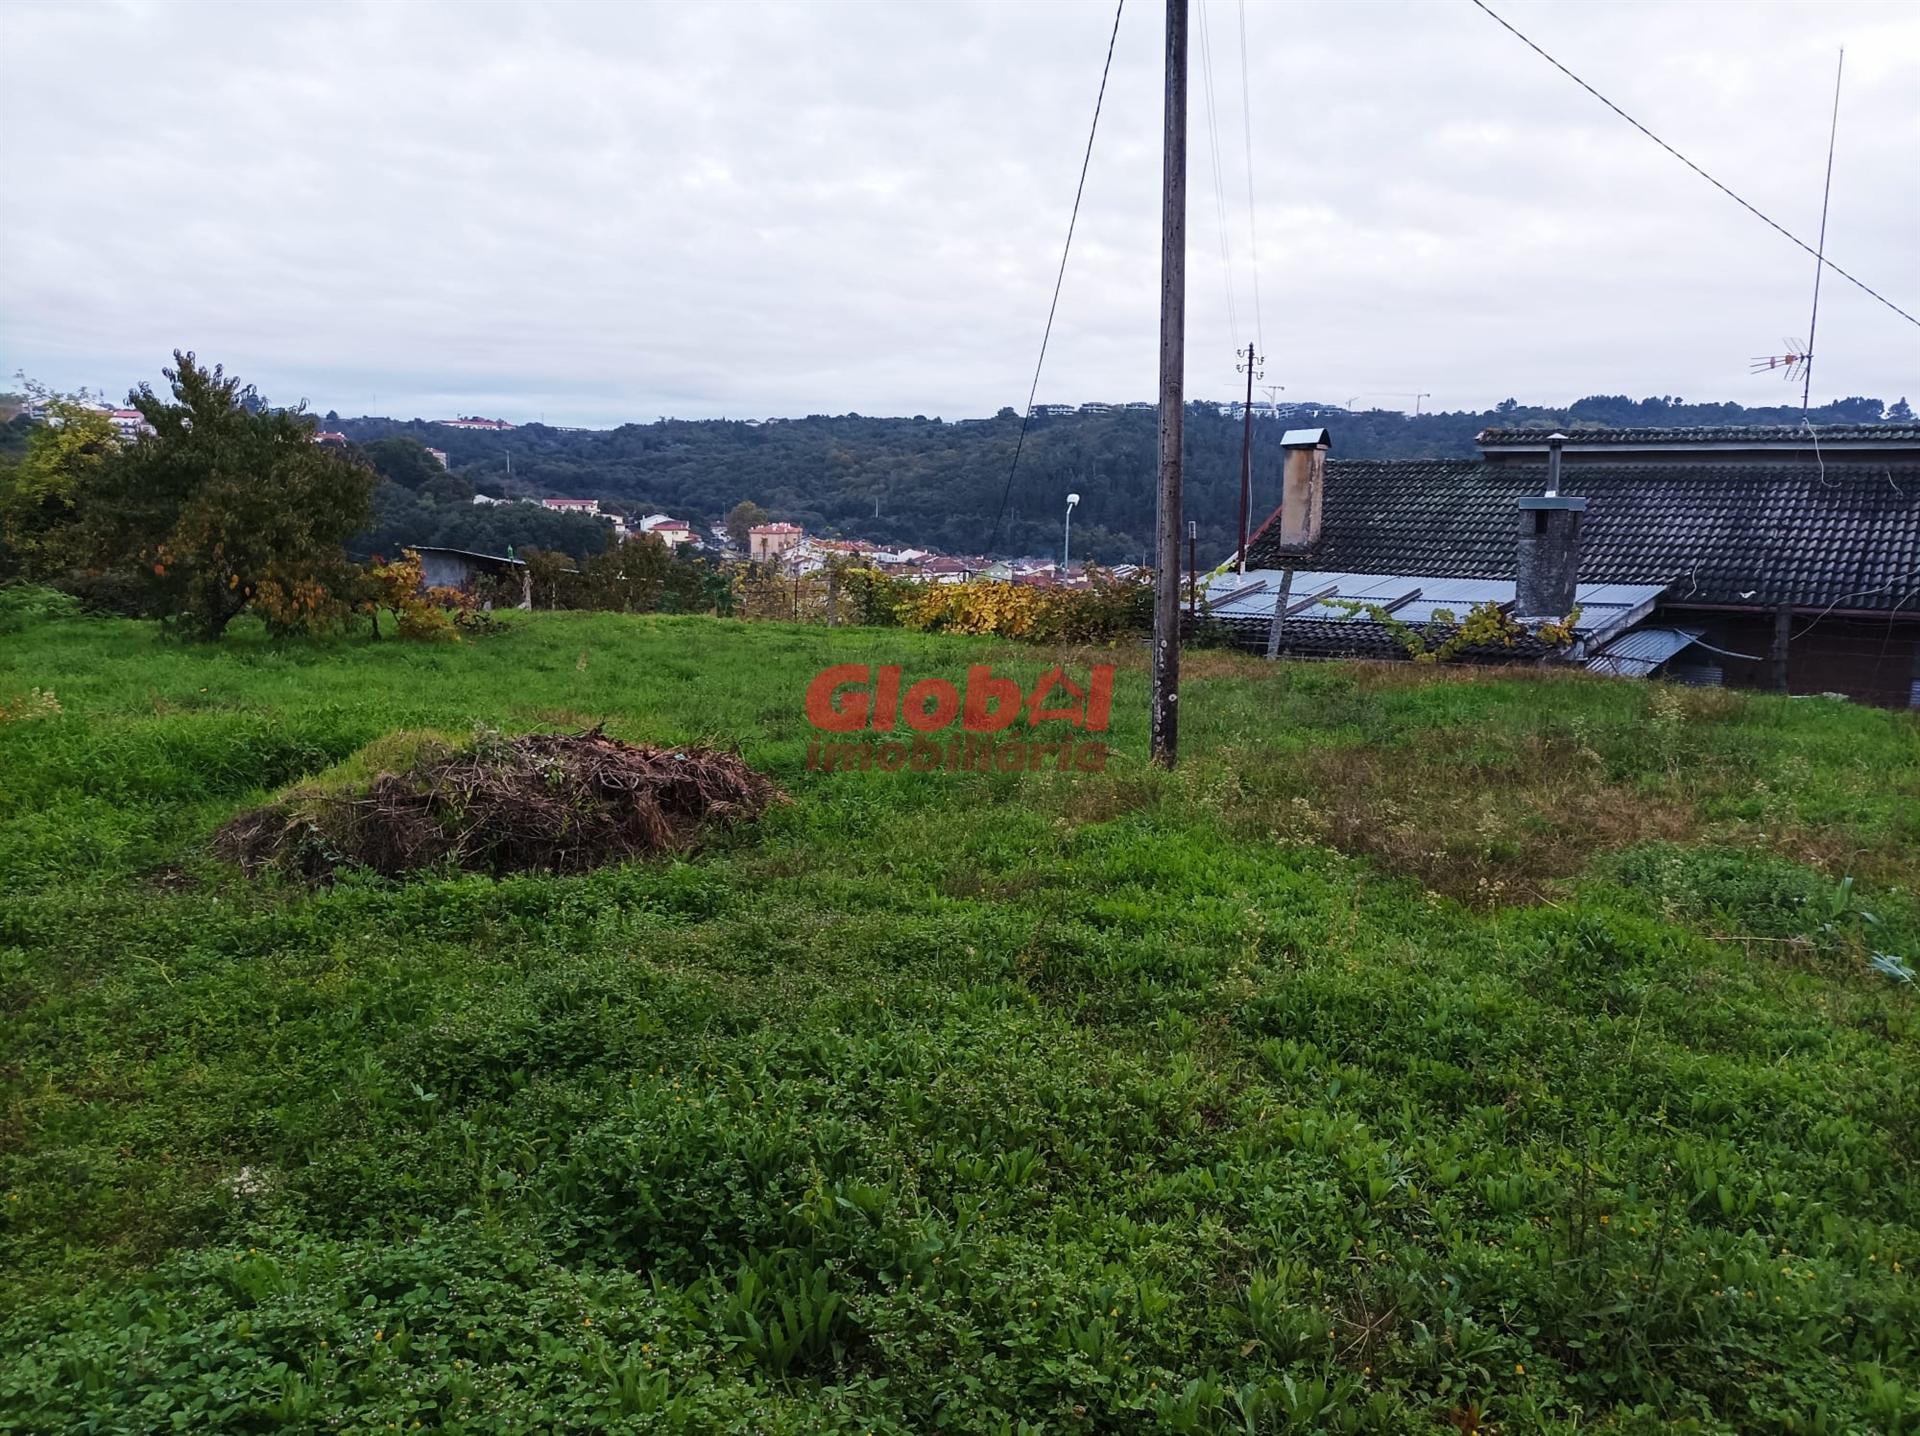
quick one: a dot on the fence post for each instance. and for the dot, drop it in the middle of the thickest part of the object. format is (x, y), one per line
(1279, 613)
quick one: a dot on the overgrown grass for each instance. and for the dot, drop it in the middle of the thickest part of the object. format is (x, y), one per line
(1432, 1052)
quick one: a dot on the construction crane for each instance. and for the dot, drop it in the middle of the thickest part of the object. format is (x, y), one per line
(1394, 394)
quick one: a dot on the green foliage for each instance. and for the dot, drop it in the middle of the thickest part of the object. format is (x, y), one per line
(23, 605)
(37, 518)
(741, 520)
(408, 518)
(640, 574)
(939, 484)
(407, 463)
(225, 506)
(1484, 630)
(965, 1102)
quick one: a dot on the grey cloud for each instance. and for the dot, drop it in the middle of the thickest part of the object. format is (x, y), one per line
(601, 212)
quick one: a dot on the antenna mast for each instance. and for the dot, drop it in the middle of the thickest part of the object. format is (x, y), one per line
(1820, 256)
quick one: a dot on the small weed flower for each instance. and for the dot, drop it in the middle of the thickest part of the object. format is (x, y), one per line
(1519, 1368)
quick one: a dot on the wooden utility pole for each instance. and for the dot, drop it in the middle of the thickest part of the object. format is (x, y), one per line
(1246, 455)
(1193, 573)
(1173, 359)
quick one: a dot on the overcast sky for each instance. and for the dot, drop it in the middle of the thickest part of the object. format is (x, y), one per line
(594, 213)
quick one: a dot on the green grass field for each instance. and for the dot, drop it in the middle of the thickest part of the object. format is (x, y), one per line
(1432, 1052)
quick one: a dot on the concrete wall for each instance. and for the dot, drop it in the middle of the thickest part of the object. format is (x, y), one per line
(445, 570)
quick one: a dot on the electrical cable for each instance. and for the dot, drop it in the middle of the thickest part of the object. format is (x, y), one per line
(1253, 223)
(1764, 219)
(1058, 280)
(1218, 174)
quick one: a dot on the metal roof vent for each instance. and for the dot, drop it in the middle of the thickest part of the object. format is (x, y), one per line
(1555, 442)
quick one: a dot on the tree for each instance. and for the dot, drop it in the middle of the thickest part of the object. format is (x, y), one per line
(223, 507)
(1899, 411)
(37, 533)
(742, 519)
(405, 462)
(398, 588)
(628, 577)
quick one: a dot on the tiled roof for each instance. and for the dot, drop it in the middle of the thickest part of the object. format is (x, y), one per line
(1738, 533)
(1899, 435)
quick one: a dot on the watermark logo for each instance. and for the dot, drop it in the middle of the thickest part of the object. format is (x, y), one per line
(849, 698)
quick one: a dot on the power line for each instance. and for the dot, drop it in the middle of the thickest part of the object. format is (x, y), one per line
(1219, 179)
(1764, 219)
(1058, 279)
(1253, 223)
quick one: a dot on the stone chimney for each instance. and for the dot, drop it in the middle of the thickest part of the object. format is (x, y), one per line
(1547, 562)
(1302, 487)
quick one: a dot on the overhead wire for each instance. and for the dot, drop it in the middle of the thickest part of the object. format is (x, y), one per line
(1751, 209)
(1059, 278)
(1253, 220)
(1218, 172)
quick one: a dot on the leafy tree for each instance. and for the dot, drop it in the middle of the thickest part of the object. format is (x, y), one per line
(1899, 411)
(397, 588)
(38, 540)
(742, 518)
(404, 461)
(630, 576)
(222, 507)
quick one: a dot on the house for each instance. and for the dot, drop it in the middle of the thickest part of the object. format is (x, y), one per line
(768, 541)
(439, 456)
(1757, 556)
(130, 424)
(950, 570)
(670, 531)
(573, 506)
(468, 421)
(462, 569)
(330, 436)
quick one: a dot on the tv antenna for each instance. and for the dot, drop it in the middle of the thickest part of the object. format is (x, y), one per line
(1794, 361)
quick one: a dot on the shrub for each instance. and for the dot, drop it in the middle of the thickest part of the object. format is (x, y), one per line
(1106, 610)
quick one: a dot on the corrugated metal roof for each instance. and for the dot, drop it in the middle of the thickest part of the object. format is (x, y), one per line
(1603, 606)
(425, 548)
(1636, 654)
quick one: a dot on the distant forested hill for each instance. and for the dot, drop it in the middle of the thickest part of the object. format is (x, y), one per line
(937, 485)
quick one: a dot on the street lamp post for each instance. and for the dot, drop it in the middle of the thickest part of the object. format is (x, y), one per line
(1066, 539)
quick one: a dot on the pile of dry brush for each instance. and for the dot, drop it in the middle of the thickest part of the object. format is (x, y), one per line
(545, 802)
